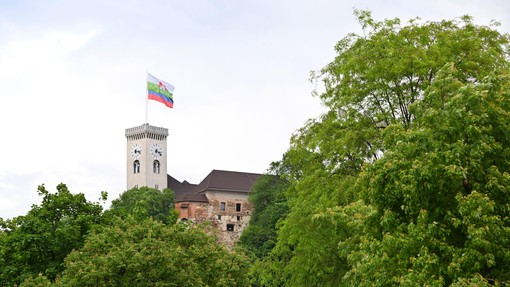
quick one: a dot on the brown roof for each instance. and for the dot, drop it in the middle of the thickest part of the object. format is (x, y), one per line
(192, 197)
(216, 180)
(221, 180)
(178, 187)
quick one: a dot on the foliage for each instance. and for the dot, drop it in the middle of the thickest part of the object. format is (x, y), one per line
(38, 242)
(270, 205)
(134, 252)
(441, 190)
(416, 118)
(146, 202)
(39, 281)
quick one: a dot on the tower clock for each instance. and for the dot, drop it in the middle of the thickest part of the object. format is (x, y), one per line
(146, 157)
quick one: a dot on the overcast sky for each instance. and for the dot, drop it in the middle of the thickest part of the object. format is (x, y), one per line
(73, 78)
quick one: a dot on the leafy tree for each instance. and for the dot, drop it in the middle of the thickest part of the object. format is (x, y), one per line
(441, 190)
(134, 252)
(270, 205)
(146, 202)
(38, 242)
(377, 84)
(39, 281)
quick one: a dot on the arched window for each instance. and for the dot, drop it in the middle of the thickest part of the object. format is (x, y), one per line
(155, 166)
(136, 166)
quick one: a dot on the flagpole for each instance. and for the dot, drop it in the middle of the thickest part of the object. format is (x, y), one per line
(146, 99)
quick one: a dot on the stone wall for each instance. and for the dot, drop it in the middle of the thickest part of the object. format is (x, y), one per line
(229, 220)
(196, 211)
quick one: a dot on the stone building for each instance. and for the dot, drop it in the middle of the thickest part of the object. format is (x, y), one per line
(220, 198)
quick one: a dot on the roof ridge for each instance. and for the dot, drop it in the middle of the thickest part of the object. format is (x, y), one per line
(234, 171)
(204, 184)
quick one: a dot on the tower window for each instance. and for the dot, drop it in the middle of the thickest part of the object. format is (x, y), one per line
(136, 166)
(155, 166)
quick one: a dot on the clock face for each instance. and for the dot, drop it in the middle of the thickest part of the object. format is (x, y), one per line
(136, 151)
(156, 151)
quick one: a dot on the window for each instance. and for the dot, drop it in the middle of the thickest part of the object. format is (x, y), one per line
(156, 186)
(230, 227)
(222, 206)
(219, 216)
(136, 166)
(238, 218)
(238, 207)
(155, 166)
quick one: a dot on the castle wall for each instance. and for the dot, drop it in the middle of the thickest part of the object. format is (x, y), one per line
(233, 218)
(195, 211)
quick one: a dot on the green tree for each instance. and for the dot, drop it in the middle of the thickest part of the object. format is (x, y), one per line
(133, 252)
(373, 86)
(441, 191)
(270, 205)
(146, 202)
(39, 281)
(38, 242)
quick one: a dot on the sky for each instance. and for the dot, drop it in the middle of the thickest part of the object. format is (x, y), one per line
(73, 78)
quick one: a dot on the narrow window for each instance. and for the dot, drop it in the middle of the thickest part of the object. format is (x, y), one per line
(222, 206)
(219, 216)
(136, 166)
(155, 166)
(238, 218)
(230, 227)
(156, 186)
(238, 207)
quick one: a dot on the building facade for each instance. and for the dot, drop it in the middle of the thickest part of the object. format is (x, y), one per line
(221, 198)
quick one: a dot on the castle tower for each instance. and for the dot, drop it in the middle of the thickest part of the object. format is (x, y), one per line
(146, 156)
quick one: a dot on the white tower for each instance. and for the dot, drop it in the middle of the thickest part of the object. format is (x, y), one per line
(146, 157)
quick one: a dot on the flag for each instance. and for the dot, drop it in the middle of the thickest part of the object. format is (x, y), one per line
(160, 91)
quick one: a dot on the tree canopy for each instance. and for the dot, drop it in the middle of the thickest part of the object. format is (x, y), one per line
(146, 202)
(404, 180)
(269, 206)
(440, 194)
(135, 243)
(146, 252)
(38, 242)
